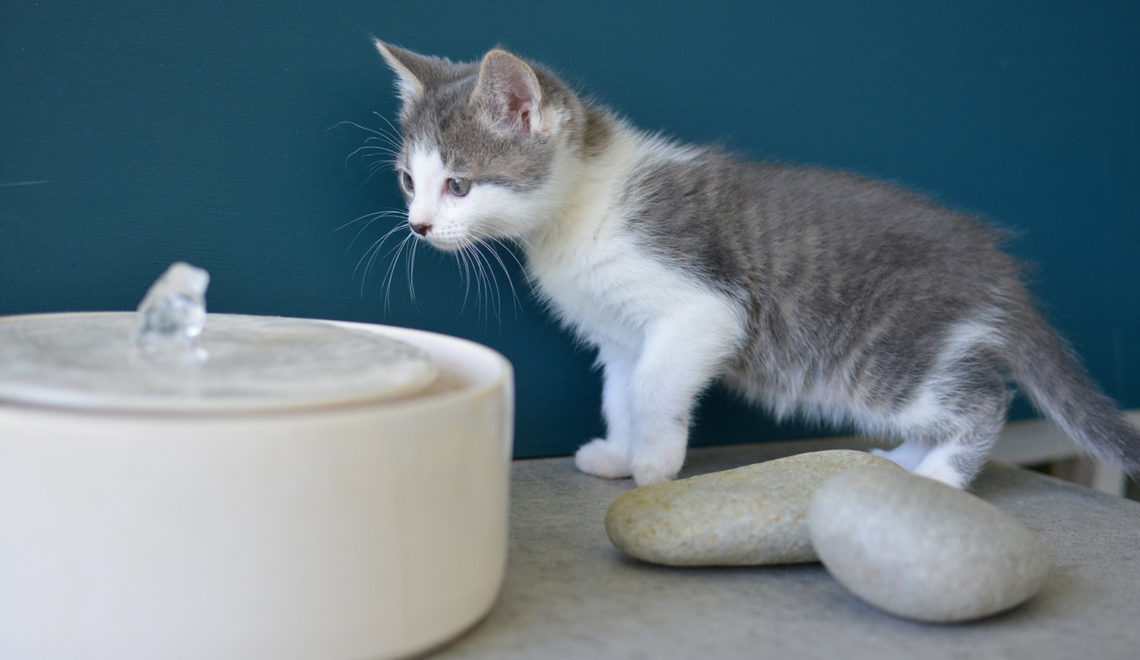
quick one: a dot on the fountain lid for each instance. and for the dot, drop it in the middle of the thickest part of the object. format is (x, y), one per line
(90, 361)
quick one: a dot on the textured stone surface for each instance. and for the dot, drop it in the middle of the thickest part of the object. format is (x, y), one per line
(746, 516)
(922, 550)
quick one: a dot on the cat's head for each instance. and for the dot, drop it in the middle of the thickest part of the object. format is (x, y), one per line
(486, 147)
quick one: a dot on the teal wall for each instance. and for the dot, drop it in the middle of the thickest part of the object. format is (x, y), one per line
(136, 134)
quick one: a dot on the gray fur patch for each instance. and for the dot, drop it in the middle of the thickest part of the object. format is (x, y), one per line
(850, 285)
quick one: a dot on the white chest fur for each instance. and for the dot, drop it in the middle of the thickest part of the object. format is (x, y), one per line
(602, 280)
(601, 284)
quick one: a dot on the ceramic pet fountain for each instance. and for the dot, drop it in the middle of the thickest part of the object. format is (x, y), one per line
(181, 485)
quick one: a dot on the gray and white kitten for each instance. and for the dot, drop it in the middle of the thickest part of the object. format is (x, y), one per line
(811, 292)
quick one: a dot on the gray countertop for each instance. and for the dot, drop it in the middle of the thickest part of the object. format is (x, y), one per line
(570, 594)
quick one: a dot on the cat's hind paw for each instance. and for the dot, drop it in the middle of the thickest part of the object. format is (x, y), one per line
(908, 455)
(939, 468)
(603, 458)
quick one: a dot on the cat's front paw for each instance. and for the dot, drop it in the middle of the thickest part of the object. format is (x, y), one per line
(657, 468)
(603, 458)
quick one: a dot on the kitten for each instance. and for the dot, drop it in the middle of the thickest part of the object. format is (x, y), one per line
(809, 291)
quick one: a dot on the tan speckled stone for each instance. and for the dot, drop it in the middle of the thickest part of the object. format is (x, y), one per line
(746, 516)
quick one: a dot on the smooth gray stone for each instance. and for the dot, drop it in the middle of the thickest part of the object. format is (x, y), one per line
(922, 550)
(751, 515)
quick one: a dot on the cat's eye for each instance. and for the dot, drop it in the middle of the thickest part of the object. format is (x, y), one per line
(458, 186)
(406, 183)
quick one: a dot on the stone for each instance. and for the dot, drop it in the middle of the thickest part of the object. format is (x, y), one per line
(750, 515)
(922, 550)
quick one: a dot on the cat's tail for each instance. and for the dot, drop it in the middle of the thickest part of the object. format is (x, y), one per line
(1048, 372)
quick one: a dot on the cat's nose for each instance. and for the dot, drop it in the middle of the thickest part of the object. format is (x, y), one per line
(421, 229)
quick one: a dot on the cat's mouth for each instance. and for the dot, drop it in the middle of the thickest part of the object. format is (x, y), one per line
(446, 241)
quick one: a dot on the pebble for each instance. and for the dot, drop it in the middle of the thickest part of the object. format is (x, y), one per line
(751, 515)
(922, 550)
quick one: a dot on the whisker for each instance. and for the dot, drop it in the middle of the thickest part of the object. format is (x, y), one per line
(381, 148)
(507, 248)
(494, 300)
(389, 135)
(383, 238)
(462, 261)
(491, 242)
(372, 172)
(491, 284)
(391, 144)
(384, 164)
(369, 151)
(391, 272)
(375, 215)
(369, 257)
(476, 273)
(387, 121)
(355, 125)
(366, 259)
(507, 273)
(411, 270)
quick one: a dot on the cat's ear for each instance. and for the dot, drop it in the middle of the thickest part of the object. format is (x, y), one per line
(411, 69)
(509, 89)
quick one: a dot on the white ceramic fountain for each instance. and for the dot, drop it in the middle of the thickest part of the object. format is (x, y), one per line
(257, 487)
